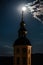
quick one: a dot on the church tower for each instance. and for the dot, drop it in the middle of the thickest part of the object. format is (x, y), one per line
(22, 47)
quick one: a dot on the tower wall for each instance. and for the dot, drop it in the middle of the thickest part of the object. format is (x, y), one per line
(29, 55)
(22, 55)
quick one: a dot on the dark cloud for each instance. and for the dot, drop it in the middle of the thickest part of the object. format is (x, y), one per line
(6, 50)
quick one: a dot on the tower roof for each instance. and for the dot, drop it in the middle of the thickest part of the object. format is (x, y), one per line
(22, 41)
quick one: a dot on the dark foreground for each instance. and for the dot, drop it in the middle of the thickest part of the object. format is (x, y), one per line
(37, 59)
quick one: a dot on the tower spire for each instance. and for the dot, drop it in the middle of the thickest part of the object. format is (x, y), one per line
(22, 15)
(22, 31)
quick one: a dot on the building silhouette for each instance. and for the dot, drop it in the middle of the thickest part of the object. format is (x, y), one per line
(22, 47)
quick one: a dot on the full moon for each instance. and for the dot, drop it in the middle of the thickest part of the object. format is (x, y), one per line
(23, 8)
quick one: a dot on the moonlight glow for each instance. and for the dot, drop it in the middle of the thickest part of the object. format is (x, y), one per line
(23, 8)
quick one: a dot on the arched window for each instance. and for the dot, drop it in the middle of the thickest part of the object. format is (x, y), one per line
(24, 61)
(24, 50)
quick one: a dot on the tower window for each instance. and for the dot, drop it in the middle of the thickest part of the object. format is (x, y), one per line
(18, 60)
(24, 50)
(24, 61)
(18, 50)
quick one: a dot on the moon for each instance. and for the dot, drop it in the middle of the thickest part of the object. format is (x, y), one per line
(23, 8)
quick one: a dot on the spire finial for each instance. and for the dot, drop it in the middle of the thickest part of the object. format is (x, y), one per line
(22, 15)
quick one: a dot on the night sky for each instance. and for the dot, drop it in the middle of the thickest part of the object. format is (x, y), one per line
(10, 18)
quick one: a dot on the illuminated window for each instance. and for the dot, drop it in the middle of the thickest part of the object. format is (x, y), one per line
(18, 60)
